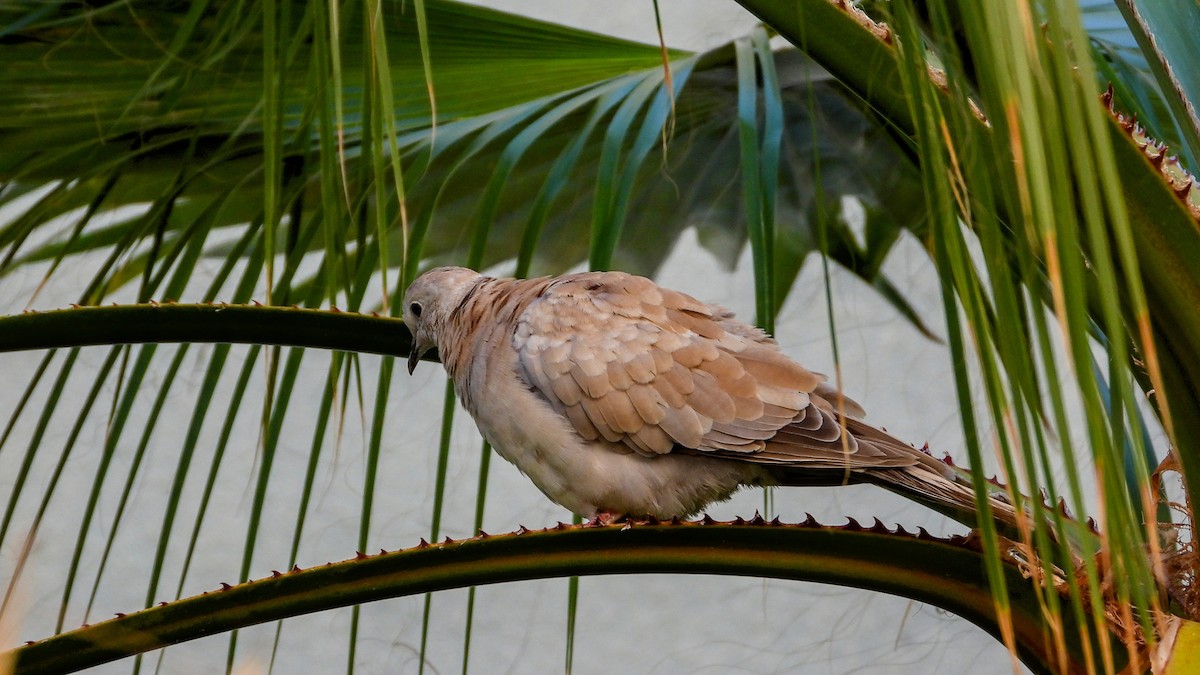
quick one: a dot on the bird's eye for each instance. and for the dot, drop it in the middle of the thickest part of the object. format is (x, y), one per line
(415, 308)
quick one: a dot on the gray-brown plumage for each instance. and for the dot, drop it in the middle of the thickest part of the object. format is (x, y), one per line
(619, 397)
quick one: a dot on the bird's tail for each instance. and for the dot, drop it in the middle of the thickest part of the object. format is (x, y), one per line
(950, 495)
(848, 450)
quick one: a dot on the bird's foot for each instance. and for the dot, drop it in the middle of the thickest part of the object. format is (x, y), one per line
(605, 518)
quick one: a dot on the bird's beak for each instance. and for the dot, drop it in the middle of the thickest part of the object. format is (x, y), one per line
(413, 357)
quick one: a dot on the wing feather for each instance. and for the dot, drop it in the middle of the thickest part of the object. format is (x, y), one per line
(596, 415)
(591, 377)
(709, 399)
(619, 375)
(620, 413)
(567, 389)
(653, 371)
(648, 402)
(582, 422)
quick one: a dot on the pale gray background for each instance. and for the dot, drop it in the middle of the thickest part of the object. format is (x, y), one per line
(651, 624)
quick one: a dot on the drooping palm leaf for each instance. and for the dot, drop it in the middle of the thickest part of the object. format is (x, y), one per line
(1044, 159)
(672, 193)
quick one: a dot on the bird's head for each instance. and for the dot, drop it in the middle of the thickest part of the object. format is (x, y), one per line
(428, 304)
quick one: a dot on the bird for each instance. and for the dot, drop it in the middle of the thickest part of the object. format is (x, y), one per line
(619, 398)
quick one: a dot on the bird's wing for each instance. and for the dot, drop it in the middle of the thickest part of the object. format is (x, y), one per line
(656, 371)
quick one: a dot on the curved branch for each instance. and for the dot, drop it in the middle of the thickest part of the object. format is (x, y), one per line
(948, 573)
(171, 322)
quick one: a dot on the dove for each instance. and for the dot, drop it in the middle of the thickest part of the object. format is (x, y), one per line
(620, 398)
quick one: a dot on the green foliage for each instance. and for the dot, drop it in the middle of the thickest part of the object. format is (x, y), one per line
(322, 154)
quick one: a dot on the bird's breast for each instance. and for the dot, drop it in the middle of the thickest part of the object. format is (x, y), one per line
(589, 476)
